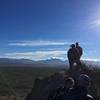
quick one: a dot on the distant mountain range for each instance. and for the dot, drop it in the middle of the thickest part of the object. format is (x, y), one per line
(30, 63)
(41, 63)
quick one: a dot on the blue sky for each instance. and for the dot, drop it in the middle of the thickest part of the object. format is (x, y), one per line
(41, 29)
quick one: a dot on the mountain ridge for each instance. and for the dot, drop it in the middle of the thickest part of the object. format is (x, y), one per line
(52, 62)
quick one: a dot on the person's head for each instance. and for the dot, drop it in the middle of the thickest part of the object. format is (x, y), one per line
(69, 82)
(84, 80)
(72, 45)
(77, 44)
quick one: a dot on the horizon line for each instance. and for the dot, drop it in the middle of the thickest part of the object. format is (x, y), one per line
(87, 59)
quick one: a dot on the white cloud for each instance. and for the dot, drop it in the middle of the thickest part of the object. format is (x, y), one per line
(95, 24)
(37, 55)
(42, 55)
(91, 59)
(38, 43)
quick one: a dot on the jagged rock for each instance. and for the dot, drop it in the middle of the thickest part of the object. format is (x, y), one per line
(42, 87)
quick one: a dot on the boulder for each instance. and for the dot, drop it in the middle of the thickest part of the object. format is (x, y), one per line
(43, 86)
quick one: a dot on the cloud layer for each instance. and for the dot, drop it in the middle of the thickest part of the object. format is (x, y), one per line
(37, 55)
(38, 43)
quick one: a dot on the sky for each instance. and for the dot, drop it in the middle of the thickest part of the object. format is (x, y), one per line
(44, 29)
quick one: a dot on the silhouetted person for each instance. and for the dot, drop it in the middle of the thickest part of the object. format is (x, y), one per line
(73, 56)
(79, 48)
(80, 92)
(80, 52)
(61, 92)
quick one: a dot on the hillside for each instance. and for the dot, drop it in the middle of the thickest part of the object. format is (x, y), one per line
(18, 81)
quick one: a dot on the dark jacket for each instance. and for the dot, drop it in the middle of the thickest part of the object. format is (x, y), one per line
(79, 93)
(80, 51)
(73, 54)
(58, 94)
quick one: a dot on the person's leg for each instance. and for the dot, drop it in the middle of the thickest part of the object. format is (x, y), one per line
(70, 65)
(79, 65)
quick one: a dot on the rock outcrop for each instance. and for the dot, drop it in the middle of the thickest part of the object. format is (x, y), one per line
(43, 86)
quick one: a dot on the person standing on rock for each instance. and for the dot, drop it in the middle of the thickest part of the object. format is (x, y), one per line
(73, 56)
(79, 48)
(80, 53)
